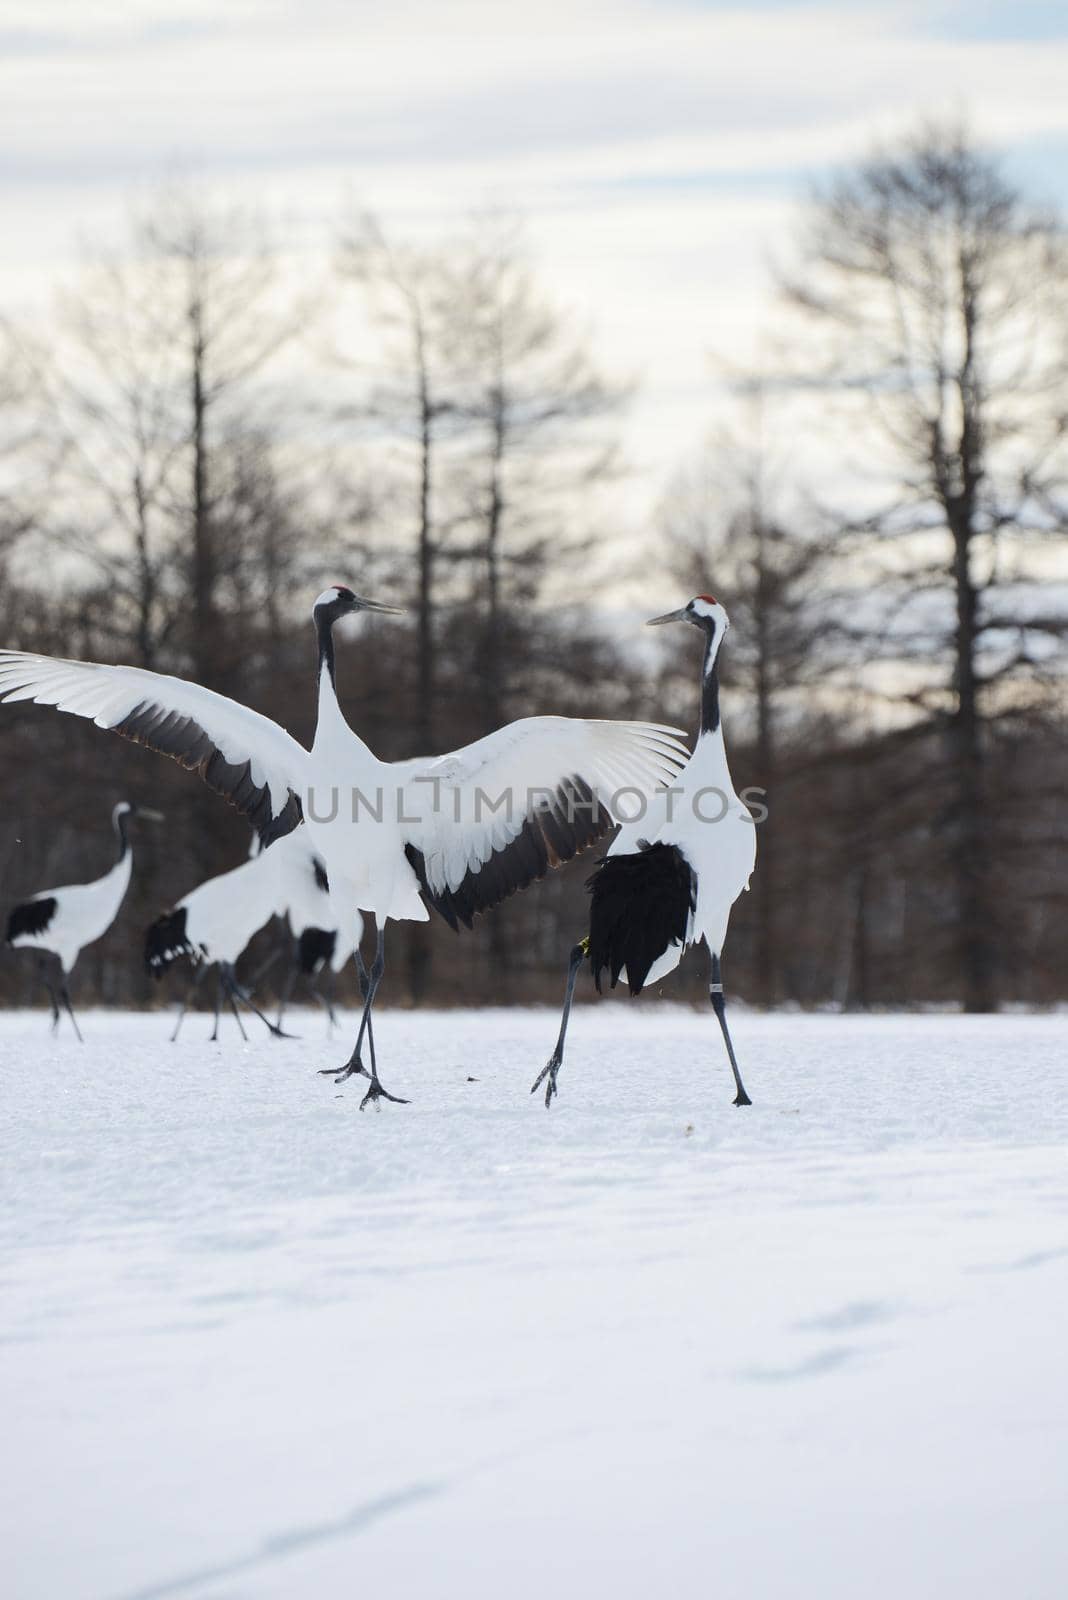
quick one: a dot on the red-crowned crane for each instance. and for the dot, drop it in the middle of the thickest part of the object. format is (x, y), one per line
(61, 922)
(671, 876)
(211, 926)
(458, 832)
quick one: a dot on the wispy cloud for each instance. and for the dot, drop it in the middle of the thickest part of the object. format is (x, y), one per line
(658, 145)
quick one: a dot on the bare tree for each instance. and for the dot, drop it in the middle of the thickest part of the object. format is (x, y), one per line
(409, 391)
(151, 379)
(538, 451)
(223, 296)
(24, 464)
(939, 292)
(735, 524)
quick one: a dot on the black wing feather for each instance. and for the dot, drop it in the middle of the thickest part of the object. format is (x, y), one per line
(185, 741)
(558, 829)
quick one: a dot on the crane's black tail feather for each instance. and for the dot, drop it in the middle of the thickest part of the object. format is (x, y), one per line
(315, 948)
(166, 941)
(640, 904)
(31, 917)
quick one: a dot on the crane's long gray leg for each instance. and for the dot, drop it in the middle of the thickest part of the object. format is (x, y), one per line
(236, 993)
(198, 978)
(218, 1003)
(327, 997)
(556, 1060)
(226, 973)
(715, 994)
(365, 985)
(322, 999)
(289, 980)
(43, 970)
(376, 1092)
(265, 966)
(64, 995)
(354, 1066)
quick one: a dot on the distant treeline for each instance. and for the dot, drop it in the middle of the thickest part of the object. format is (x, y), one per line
(190, 451)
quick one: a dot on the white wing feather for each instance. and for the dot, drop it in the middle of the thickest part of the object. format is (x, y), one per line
(462, 808)
(152, 708)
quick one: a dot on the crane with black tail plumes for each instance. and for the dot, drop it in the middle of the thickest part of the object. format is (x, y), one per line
(456, 833)
(671, 876)
(211, 927)
(59, 923)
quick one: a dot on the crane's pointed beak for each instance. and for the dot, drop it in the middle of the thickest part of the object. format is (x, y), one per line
(376, 605)
(669, 616)
(150, 816)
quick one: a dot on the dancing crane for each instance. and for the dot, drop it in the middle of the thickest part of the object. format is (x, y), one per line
(671, 876)
(211, 927)
(458, 832)
(59, 923)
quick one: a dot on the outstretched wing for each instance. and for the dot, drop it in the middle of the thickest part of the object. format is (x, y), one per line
(489, 819)
(243, 756)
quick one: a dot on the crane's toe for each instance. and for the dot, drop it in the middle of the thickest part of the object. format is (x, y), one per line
(350, 1069)
(376, 1093)
(279, 1033)
(547, 1075)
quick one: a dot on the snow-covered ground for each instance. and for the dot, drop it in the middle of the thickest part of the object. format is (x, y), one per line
(259, 1345)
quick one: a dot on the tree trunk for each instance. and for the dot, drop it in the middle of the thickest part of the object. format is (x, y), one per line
(426, 687)
(205, 622)
(971, 854)
(767, 888)
(492, 664)
(420, 958)
(858, 991)
(146, 580)
(492, 675)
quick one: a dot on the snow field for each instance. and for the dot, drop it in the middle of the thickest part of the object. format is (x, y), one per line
(260, 1345)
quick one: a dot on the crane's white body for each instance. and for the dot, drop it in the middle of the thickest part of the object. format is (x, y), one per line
(352, 820)
(223, 914)
(84, 913)
(704, 819)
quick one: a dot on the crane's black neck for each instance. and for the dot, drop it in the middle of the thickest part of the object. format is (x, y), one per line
(121, 824)
(710, 680)
(324, 632)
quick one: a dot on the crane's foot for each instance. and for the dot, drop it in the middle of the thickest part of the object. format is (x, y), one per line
(376, 1093)
(351, 1069)
(547, 1075)
(742, 1099)
(279, 1033)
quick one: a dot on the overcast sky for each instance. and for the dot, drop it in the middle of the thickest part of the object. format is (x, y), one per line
(659, 148)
